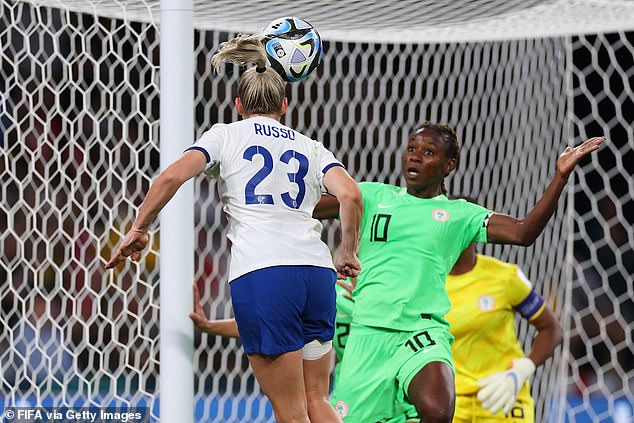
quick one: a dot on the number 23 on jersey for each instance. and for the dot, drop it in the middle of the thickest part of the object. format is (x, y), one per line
(297, 178)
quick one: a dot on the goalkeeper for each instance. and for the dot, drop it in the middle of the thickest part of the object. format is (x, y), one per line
(491, 369)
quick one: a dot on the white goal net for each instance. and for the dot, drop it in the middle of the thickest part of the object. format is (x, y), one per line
(79, 120)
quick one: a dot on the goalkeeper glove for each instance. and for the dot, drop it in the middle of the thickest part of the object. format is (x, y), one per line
(499, 391)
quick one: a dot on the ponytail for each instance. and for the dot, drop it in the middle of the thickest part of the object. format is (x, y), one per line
(261, 89)
(243, 50)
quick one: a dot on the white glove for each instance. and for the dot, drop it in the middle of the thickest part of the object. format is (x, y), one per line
(499, 391)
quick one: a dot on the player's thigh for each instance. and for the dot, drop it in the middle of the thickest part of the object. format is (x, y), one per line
(317, 376)
(281, 378)
(365, 390)
(427, 371)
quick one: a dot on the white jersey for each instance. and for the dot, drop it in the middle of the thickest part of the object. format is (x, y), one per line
(269, 178)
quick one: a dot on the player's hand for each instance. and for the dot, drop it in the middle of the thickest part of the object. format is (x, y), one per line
(131, 246)
(348, 286)
(347, 265)
(571, 156)
(198, 316)
(499, 391)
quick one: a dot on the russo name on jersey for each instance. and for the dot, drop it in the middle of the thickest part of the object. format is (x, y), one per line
(273, 131)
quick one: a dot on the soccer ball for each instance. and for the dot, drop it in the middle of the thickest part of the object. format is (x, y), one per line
(293, 48)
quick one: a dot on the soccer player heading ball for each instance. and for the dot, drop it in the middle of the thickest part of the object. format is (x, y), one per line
(282, 278)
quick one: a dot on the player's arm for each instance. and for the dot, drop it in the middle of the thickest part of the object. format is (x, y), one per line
(225, 327)
(161, 191)
(338, 182)
(549, 335)
(500, 390)
(504, 229)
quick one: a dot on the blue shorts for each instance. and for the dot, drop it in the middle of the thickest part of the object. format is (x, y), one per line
(282, 308)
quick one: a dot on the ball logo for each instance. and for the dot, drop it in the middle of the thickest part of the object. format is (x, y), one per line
(279, 50)
(342, 408)
(440, 215)
(486, 303)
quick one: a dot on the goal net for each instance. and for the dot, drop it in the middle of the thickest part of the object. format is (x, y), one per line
(79, 119)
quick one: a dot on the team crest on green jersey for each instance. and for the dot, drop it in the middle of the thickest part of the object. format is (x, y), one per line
(342, 408)
(440, 215)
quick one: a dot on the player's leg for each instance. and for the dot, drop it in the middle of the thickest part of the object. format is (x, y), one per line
(427, 375)
(319, 325)
(366, 388)
(282, 381)
(267, 305)
(316, 377)
(432, 391)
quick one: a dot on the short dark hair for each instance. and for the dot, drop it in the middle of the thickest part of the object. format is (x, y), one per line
(446, 133)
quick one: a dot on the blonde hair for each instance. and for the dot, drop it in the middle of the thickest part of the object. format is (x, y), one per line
(261, 89)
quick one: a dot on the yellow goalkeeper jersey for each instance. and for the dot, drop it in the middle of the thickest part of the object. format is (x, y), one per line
(483, 306)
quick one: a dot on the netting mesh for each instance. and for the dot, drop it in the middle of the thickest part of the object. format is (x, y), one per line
(79, 116)
(79, 119)
(600, 356)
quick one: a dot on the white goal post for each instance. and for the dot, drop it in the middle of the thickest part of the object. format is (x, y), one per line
(85, 87)
(177, 218)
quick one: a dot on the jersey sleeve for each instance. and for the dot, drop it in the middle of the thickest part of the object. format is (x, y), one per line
(368, 190)
(325, 161)
(523, 297)
(211, 144)
(477, 222)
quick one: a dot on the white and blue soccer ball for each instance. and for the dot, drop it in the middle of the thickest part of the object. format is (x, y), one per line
(293, 47)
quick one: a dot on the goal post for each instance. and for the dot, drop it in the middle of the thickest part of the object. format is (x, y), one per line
(81, 106)
(177, 218)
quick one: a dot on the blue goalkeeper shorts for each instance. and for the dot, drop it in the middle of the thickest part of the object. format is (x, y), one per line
(282, 308)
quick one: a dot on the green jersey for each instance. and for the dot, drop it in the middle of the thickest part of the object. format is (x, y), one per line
(342, 327)
(342, 323)
(408, 246)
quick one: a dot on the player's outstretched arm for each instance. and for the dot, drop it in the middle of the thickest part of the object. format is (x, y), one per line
(341, 185)
(504, 229)
(226, 327)
(161, 191)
